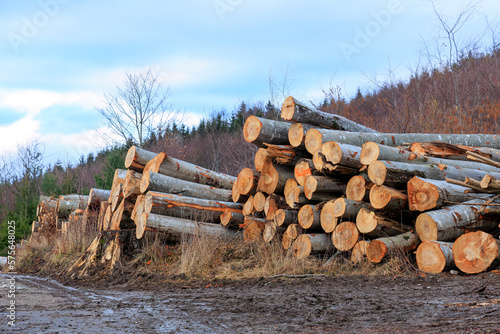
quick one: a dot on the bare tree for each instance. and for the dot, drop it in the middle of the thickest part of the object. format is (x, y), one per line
(139, 108)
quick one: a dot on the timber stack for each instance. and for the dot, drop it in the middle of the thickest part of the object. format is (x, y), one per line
(322, 183)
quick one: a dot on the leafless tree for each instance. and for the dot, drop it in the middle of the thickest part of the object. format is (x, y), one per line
(138, 109)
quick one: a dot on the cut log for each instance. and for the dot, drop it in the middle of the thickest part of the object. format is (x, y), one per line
(118, 178)
(375, 225)
(348, 208)
(179, 226)
(259, 201)
(102, 212)
(297, 111)
(248, 208)
(188, 207)
(286, 241)
(294, 194)
(96, 197)
(140, 202)
(358, 188)
(273, 177)
(271, 229)
(294, 230)
(260, 158)
(397, 173)
(273, 204)
(309, 217)
(426, 194)
(106, 223)
(303, 169)
(137, 158)
(285, 218)
(327, 219)
(388, 199)
(316, 137)
(253, 229)
(116, 196)
(378, 249)
(132, 184)
(236, 196)
(358, 253)
(69, 203)
(434, 257)
(456, 152)
(232, 219)
(259, 130)
(247, 181)
(476, 252)
(342, 154)
(450, 222)
(297, 134)
(326, 186)
(121, 217)
(285, 154)
(345, 236)
(162, 183)
(307, 244)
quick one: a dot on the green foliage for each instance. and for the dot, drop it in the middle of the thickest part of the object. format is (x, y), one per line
(115, 160)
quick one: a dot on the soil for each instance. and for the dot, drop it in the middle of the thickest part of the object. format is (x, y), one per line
(322, 304)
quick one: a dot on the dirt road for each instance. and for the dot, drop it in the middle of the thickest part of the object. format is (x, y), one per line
(343, 304)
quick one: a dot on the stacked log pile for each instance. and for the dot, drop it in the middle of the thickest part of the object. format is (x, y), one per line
(323, 183)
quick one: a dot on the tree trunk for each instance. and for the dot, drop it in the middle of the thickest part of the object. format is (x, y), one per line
(297, 134)
(261, 156)
(372, 152)
(358, 253)
(345, 236)
(434, 257)
(273, 204)
(188, 207)
(476, 252)
(96, 197)
(303, 169)
(450, 222)
(273, 178)
(306, 244)
(162, 183)
(232, 219)
(179, 226)
(309, 217)
(299, 112)
(132, 185)
(137, 159)
(388, 199)
(69, 203)
(399, 173)
(247, 181)
(426, 194)
(342, 154)
(348, 208)
(285, 218)
(378, 249)
(259, 201)
(324, 185)
(357, 187)
(327, 219)
(259, 130)
(253, 229)
(316, 137)
(375, 225)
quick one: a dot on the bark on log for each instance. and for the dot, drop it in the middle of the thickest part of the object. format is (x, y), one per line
(253, 229)
(316, 137)
(188, 207)
(348, 208)
(426, 194)
(247, 181)
(69, 203)
(137, 158)
(327, 219)
(179, 226)
(232, 219)
(375, 225)
(323, 186)
(342, 154)
(450, 222)
(388, 199)
(285, 154)
(96, 197)
(434, 257)
(345, 236)
(162, 183)
(259, 130)
(309, 217)
(327, 168)
(261, 156)
(358, 253)
(378, 249)
(286, 218)
(259, 201)
(132, 184)
(398, 173)
(303, 169)
(273, 178)
(456, 152)
(292, 109)
(273, 204)
(307, 244)
(476, 252)
(358, 188)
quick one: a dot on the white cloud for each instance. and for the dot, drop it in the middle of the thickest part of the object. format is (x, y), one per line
(17, 133)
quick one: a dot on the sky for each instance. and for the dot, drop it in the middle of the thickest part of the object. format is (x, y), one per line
(59, 57)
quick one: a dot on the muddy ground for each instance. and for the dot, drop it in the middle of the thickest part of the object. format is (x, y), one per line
(343, 304)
